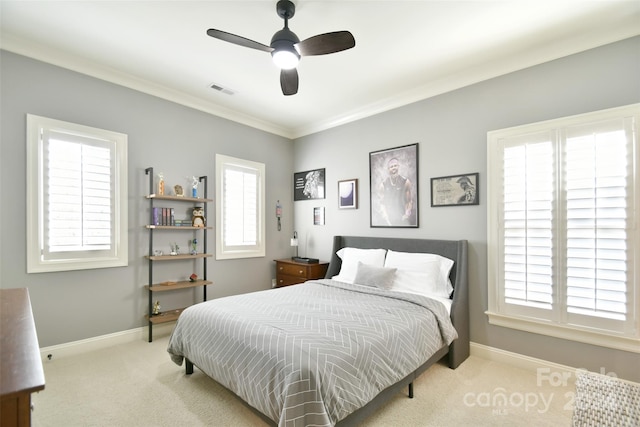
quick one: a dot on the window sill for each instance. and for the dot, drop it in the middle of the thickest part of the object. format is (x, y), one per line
(573, 334)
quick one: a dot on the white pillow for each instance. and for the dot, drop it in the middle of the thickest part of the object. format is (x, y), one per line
(419, 273)
(377, 277)
(350, 258)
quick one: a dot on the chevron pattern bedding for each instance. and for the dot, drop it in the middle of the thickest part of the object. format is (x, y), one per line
(311, 354)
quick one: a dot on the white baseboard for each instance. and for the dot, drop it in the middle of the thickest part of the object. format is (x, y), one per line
(104, 341)
(518, 360)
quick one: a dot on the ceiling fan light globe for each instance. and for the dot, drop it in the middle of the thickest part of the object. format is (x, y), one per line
(285, 59)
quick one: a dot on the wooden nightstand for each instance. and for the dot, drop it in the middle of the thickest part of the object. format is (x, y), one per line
(289, 272)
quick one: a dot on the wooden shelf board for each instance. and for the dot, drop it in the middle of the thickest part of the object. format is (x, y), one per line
(178, 198)
(166, 316)
(175, 257)
(179, 285)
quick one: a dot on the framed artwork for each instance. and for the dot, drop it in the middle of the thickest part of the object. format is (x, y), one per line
(308, 185)
(393, 175)
(348, 194)
(318, 216)
(455, 190)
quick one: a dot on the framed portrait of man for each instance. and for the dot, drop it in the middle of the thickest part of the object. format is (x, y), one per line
(393, 175)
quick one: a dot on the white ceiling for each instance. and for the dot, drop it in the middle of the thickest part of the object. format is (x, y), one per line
(405, 50)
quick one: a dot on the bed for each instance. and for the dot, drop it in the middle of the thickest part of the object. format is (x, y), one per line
(329, 352)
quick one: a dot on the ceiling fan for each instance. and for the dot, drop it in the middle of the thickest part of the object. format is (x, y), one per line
(286, 48)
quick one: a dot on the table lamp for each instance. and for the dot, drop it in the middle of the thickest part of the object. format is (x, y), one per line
(294, 242)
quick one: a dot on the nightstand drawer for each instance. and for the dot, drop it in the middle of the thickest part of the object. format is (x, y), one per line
(289, 272)
(292, 270)
(288, 280)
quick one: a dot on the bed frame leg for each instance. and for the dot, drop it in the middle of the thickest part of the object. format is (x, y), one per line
(410, 390)
(188, 367)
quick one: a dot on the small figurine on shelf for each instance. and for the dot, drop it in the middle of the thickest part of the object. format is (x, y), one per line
(193, 277)
(178, 190)
(156, 308)
(175, 249)
(194, 187)
(197, 218)
(160, 184)
(194, 247)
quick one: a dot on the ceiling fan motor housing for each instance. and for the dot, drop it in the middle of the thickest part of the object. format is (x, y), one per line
(285, 39)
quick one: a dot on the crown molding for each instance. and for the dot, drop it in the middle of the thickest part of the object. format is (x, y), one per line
(482, 71)
(83, 66)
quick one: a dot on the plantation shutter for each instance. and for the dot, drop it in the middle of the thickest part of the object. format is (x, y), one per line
(240, 206)
(597, 164)
(78, 194)
(528, 204)
(562, 228)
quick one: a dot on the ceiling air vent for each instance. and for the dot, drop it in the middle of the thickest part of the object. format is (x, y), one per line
(219, 88)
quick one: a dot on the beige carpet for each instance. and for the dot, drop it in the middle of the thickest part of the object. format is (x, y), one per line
(136, 384)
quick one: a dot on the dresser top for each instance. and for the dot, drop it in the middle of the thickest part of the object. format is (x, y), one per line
(20, 363)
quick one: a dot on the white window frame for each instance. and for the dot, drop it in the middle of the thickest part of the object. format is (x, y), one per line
(224, 249)
(527, 319)
(38, 129)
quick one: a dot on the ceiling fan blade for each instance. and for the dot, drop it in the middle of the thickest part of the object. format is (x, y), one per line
(235, 39)
(289, 81)
(323, 44)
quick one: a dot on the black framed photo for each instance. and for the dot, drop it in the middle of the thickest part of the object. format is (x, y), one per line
(393, 175)
(308, 185)
(455, 190)
(348, 194)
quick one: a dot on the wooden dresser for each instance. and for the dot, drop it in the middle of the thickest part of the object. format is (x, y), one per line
(289, 272)
(21, 370)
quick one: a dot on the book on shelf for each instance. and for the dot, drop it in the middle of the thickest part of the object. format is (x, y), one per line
(164, 216)
(157, 216)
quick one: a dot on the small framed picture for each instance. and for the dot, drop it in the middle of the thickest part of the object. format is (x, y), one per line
(308, 185)
(455, 190)
(318, 216)
(348, 194)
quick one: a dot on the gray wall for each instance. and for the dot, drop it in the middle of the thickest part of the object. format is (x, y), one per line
(176, 140)
(451, 130)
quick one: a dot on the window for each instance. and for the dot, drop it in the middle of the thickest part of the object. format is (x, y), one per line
(76, 201)
(563, 232)
(239, 208)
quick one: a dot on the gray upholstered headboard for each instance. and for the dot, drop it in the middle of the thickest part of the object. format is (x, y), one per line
(455, 250)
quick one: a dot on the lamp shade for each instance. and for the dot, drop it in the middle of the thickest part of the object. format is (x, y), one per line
(285, 59)
(294, 241)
